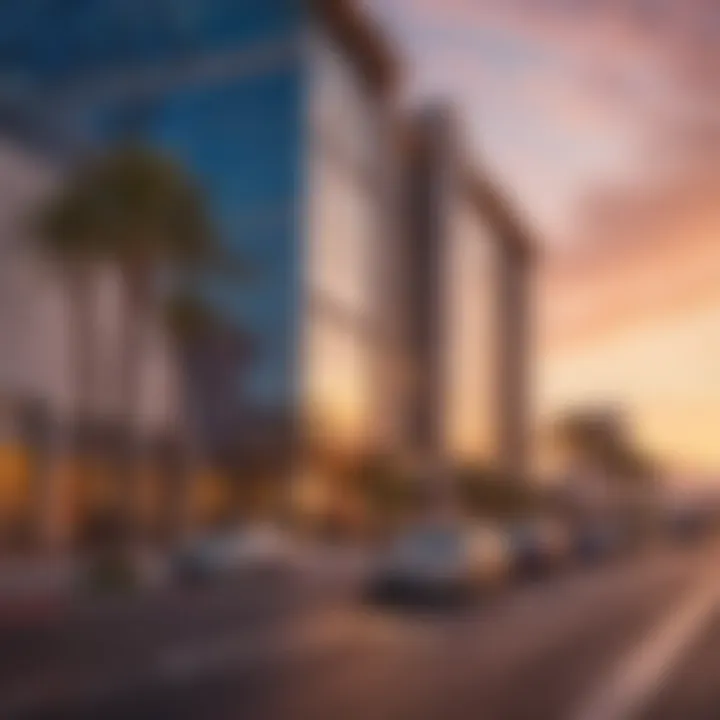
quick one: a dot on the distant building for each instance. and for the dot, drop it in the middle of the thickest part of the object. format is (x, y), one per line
(467, 307)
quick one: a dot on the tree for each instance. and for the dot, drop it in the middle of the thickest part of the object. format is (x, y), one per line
(153, 219)
(597, 441)
(187, 318)
(211, 351)
(141, 212)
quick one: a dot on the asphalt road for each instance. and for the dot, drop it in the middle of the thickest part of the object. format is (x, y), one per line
(692, 689)
(635, 639)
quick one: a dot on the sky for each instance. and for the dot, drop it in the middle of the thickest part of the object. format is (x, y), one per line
(602, 120)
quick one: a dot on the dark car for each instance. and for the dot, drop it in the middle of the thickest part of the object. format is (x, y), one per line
(597, 542)
(538, 547)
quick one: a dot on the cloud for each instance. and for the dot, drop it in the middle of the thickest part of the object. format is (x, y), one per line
(603, 115)
(588, 80)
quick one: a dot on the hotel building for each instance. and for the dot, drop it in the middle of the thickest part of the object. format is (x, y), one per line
(389, 290)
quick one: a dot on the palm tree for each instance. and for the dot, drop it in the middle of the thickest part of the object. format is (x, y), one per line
(205, 338)
(141, 212)
(188, 319)
(155, 224)
(599, 443)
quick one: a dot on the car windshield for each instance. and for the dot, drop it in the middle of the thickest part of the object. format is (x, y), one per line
(432, 542)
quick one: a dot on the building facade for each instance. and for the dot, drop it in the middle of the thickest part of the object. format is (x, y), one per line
(467, 271)
(280, 110)
(387, 299)
(276, 107)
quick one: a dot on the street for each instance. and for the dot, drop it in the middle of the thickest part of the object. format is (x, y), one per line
(633, 639)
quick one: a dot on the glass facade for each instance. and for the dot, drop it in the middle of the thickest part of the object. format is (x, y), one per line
(238, 130)
(286, 138)
(470, 343)
(287, 152)
(290, 154)
(242, 141)
(46, 43)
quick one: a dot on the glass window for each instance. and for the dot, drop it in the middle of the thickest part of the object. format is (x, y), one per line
(46, 40)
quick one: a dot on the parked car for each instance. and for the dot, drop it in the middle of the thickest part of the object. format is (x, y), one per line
(539, 546)
(441, 562)
(598, 541)
(253, 549)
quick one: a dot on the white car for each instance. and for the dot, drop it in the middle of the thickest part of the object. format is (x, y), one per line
(260, 548)
(445, 561)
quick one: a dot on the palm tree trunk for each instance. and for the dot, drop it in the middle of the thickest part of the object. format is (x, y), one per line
(35, 439)
(83, 449)
(50, 481)
(135, 308)
(190, 454)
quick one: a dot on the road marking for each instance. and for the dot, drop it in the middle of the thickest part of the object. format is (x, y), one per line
(639, 674)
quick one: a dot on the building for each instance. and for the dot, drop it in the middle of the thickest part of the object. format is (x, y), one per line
(286, 112)
(281, 110)
(467, 269)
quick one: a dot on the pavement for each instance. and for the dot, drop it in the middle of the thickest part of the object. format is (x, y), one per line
(636, 639)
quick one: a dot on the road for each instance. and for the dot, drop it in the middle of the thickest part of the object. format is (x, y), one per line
(635, 639)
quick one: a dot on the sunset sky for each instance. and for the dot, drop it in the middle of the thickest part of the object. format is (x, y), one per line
(602, 119)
